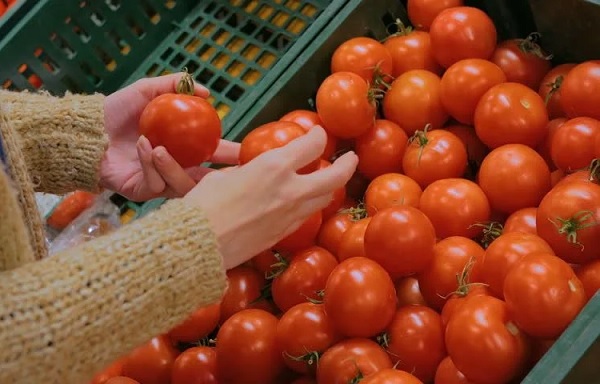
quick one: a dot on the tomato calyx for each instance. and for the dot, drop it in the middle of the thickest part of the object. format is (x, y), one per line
(206, 342)
(529, 45)
(463, 284)
(422, 138)
(277, 268)
(554, 87)
(489, 232)
(186, 84)
(594, 170)
(320, 294)
(356, 213)
(570, 227)
(311, 358)
(359, 376)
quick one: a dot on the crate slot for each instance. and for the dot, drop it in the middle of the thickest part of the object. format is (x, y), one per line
(293, 4)
(250, 52)
(264, 12)
(105, 57)
(119, 42)
(234, 20)
(182, 38)
(266, 60)
(152, 14)
(72, 85)
(193, 45)
(63, 45)
(207, 52)
(220, 84)
(205, 76)
(249, 27)
(210, 7)
(309, 10)
(235, 93)
(235, 44)
(235, 68)
(153, 70)
(192, 66)
(166, 54)
(177, 60)
(264, 34)
(92, 76)
(97, 19)
(251, 77)
(135, 28)
(82, 33)
(222, 13)
(49, 64)
(113, 5)
(220, 36)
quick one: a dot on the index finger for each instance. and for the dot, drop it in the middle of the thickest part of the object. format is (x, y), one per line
(228, 152)
(331, 178)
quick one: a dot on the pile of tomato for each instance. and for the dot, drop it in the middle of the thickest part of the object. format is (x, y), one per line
(465, 245)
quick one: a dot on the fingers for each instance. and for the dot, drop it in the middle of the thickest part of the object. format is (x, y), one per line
(152, 178)
(305, 149)
(228, 152)
(152, 87)
(197, 173)
(175, 177)
(330, 178)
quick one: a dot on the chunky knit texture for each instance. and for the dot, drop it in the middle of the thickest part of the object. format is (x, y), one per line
(64, 318)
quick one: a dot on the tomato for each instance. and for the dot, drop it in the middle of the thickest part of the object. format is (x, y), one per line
(304, 236)
(557, 176)
(197, 365)
(152, 362)
(573, 144)
(452, 256)
(462, 33)
(538, 349)
(339, 196)
(523, 220)
(411, 50)
(305, 275)
(463, 85)
(401, 239)
(304, 380)
(580, 91)
(523, 61)
(243, 290)
(421, 13)
(415, 341)
(483, 342)
(70, 207)
(113, 370)
(454, 206)
(352, 243)
(264, 262)
(476, 150)
(345, 106)
(549, 89)
(304, 332)
(356, 187)
(332, 231)
(513, 177)
(247, 348)
(456, 301)
(504, 252)
(2, 8)
(307, 120)
(364, 56)
(589, 275)
(121, 380)
(447, 373)
(389, 190)
(598, 147)
(545, 148)
(360, 298)
(568, 219)
(434, 155)
(381, 149)
(543, 295)
(187, 126)
(198, 325)
(351, 359)
(413, 101)
(391, 376)
(270, 136)
(408, 292)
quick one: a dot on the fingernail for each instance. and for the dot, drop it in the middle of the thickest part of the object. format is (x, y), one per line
(161, 154)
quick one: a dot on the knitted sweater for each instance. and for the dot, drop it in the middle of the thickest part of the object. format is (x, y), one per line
(65, 317)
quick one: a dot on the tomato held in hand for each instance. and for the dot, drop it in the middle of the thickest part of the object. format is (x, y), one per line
(364, 56)
(381, 149)
(197, 365)
(152, 362)
(580, 91)
(308, 120)
(391, 376)
(421, 13)
(198, 325)
(304, 236)
(411, 50)
(549, 89)
(389, 190)
(573, 143)
(447, 373)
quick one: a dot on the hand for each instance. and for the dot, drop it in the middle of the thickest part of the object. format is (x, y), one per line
(253, 206)
(131, 166)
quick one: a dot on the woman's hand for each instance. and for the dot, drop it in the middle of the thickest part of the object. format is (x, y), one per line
(131, 166)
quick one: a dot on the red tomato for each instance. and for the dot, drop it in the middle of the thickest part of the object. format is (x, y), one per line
(243, 289)
(504, 252)
(364, 56)
(549, 89)
(421, 13)
(483, 343)
(434, 155)
(360, 298)
(390, 190)
(401, 240)
(352, 243)
(408, 292)
(543, 295)
(304, 332)
(187, 126)
(476, 150)
(198, 325)
(197, 365)
(557, 176)
(351, 359)
(247, 349)
(381, 149)
(356, 187)
(451, 257)
(580, 91)
(411, 50)
(339, 197)
(264, 262)
(454, 206)
(2, 8)
(589, 274)
(527, 172)
(455, 302)
(462, 33)
(332, 231)
(152, 362)
(391, 376)
(568, 217)
(545, 148)
(121, 380)
(414, 101)
(511, 113)
(270, 136)
(523, 61)
(113, 370)
(573, 144)
(307, 120)
(345, 106)
(70, 207)
(522, 220)
(304, 380)
(305, 275)
(463, 85)
(303, 237)
(447, 373)
(598, 147)
(415, 341)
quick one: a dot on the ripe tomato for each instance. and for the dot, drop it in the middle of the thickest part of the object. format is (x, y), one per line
(549, 89)
(451, 257)
(198, 325)
(483, 343)
(197, 365)
(70, 207)
(339, 197)
(476, 150)
(270, 136)
(408, 292)
(411, 50)
(352, 243)
(421, 13)
(304, 380)
(598, 147)
(260, 360)
(121, 380)
(345, 106)
(264, 262)
(543, 295)
(401, 240)
(307, 120)
(463, 85)
(113, 370)
(523, 220)
(332, 231)
(462, 33)
(364, 56)
(455, 302)
(390, 190)
(381, 149)
(557, 176)
(152, 362)
(511, 113)
(589, 275)
(504, 252)
(351, 359)
(187, 126)
(434, 155)
(391, 376)
(573, 144)
(523, 61)
(415, 341)
(360, 298)
(303, 237)
(568, 219)
(304, 332)
(414, 101)
(447, 373)
(580, 91)
(243, 289)
(545, 148)
(514, 176)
